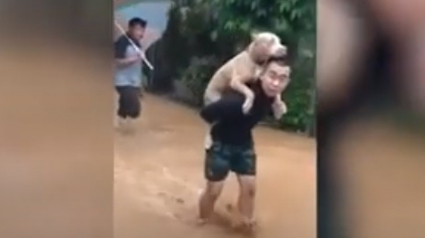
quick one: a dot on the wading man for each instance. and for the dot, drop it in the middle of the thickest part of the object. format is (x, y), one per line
(232, 146)
(128, 71)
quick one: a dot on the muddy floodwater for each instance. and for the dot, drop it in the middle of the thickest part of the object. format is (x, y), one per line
(158, 177)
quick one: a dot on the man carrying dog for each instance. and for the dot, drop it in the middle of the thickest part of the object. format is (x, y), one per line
(232, 146)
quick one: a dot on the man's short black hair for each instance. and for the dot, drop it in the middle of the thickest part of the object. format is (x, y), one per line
(280, 60)
(136, 21)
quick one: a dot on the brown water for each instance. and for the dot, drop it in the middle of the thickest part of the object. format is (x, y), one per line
(158, 177)
(56, 167)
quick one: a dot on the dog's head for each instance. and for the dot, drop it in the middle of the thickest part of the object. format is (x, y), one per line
(265, 45)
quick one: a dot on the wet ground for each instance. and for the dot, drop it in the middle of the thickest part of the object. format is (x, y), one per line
(158, 177)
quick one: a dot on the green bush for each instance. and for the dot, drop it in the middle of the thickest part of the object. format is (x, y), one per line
(170, 53)
(299, 96)
(197, 76)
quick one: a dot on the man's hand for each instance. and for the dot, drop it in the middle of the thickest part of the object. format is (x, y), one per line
(135, 59)
(279, 108)
(129, 60)
(247, 105)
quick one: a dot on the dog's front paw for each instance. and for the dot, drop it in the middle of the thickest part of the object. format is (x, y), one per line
(246, 107)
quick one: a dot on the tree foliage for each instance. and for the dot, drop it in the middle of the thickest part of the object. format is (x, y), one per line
(202, 34)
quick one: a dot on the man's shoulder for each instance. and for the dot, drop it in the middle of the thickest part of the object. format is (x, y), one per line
(125, 40)
(122, 40)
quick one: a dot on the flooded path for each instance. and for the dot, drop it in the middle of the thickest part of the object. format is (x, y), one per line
(158, 177)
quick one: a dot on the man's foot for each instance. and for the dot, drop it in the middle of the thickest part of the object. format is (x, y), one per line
(120, 122)
(250, 225)
(238, 222)
(130, 126)
(116, 123)
(201, 221)
(245, 227)
(125, 125)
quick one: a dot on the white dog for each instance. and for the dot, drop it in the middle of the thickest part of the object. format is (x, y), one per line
(244, 68)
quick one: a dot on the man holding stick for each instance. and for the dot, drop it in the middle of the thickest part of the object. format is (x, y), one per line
(128, 73)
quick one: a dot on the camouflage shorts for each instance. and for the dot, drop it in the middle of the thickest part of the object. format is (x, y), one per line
(220, 159)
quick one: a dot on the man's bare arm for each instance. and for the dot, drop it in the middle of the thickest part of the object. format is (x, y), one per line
(120, 48)
(238, 83)
(278, 108)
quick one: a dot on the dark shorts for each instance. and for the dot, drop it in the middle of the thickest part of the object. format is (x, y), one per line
(128, 102)
(221, 159)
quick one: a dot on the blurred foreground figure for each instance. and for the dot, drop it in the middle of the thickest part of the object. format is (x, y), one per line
(56, 149)
(371, 95)
(232, 148)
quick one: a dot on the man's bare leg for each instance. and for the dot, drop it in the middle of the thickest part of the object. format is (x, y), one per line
(246, 198)
(131, 125)
(207, 200)
(121, 123)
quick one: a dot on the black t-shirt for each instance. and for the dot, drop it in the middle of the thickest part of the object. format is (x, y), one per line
(121, 45)
(230, 125)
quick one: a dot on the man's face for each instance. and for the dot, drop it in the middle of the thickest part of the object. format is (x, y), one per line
(137, 31)
(275, 79)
